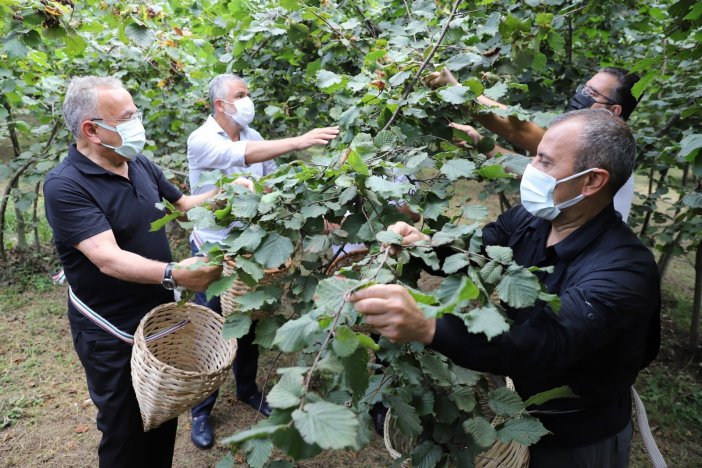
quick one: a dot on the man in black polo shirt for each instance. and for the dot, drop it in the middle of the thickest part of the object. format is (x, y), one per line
(100, 201)
(608, 327)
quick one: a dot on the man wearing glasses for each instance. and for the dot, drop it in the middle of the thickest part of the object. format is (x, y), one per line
(609, 88)
(100, 201)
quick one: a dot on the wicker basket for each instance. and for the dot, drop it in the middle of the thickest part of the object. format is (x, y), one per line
(174, 372)
(499, 455)
(345, 259)
(228, 299)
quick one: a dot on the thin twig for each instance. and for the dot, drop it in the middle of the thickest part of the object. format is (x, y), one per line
(417, 75)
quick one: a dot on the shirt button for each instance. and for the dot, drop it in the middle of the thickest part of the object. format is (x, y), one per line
(591, 316)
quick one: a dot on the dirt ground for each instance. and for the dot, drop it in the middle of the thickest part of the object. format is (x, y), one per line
(51, 419)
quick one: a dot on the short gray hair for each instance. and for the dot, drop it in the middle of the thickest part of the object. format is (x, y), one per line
(81, 100)
(218, 88)
(606, 142)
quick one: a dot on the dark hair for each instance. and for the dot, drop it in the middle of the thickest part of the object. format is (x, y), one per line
(622, 93)
(605, 142)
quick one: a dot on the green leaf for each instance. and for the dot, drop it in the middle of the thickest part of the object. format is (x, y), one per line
(499, 253)
(330, 292)
(220, 285)
(226, 462)
(140, 35)
(481, 431)
(258, 452)
(460, 61)
(295, 334)
(326, 79)
(426, 455)
(455, 94)
(201, 217)
(505, 402)
(349, 116)
(247, 240)
(491, 271)
(689, 147)
(356, 372)
(254, 300)
(288, 391)
(476, 212)
(487, 320)
(325, 424)
(457, 168)
(354, 160)
(313, 211)
(244, 203)
(389, 237)
(496, 91)
(525, 430)
(274, 251)
(405, 414)
(494, 171)
(345, 341)
(435, 368)
(559, 392)
(454, 263)
(265, 332)
(251, 268)
(236, 326)
(519, 287)
(260, 431)
(291, 443)
(388, 189)
(464, 397)
(640, 86)
(14, 48)
(399, 78)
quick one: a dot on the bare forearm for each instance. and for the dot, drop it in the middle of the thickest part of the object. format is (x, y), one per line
(260, 151)
(526, 135)
(187, 202)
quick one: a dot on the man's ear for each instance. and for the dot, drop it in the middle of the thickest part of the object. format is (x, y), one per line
(218, 106)
(88, 130)
(595, 182)
(616, 109)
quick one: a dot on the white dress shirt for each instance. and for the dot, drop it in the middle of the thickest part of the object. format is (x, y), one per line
(209, 148)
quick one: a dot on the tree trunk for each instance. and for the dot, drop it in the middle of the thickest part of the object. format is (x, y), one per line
(697, 301)
(35, 218)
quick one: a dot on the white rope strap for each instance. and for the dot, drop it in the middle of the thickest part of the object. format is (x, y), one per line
(101, 322)
(649, 442)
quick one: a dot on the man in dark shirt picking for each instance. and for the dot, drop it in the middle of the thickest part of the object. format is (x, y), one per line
(100, 201)
(608, 327)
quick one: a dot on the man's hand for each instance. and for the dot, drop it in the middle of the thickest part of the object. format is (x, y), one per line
(318, 136)
(442, 78)
(409, 233)
(196, 279)
(391, 310)
(246, 183)
(467, 129)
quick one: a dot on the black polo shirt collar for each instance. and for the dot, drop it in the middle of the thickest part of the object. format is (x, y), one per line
(83, 163)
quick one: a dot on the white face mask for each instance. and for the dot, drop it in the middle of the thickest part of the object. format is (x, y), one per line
(245, 111)
(537, 190)
(133, 137)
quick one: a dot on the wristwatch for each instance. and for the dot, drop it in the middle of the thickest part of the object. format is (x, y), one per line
(168, 282)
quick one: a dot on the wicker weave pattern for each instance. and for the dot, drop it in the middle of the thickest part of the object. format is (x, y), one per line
(173, 373)
(239, 288)
(499, 455)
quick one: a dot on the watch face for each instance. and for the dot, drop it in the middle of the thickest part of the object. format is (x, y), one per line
(168, 283)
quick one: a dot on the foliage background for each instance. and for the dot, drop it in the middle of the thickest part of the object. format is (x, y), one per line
(354, 64)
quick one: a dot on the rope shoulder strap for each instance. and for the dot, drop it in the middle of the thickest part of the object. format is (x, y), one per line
(106, 325)
(649, 442)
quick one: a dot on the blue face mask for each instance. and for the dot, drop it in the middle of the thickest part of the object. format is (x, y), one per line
(133, 137)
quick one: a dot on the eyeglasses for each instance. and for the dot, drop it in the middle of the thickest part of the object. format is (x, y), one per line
(137, 115)
(588, 91)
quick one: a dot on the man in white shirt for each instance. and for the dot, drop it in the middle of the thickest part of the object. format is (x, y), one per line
(227, 143)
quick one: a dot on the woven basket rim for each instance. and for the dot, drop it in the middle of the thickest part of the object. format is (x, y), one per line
(139, 336)
(332, 268)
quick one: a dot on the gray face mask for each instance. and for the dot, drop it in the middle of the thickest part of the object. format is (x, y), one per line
(133, 137)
